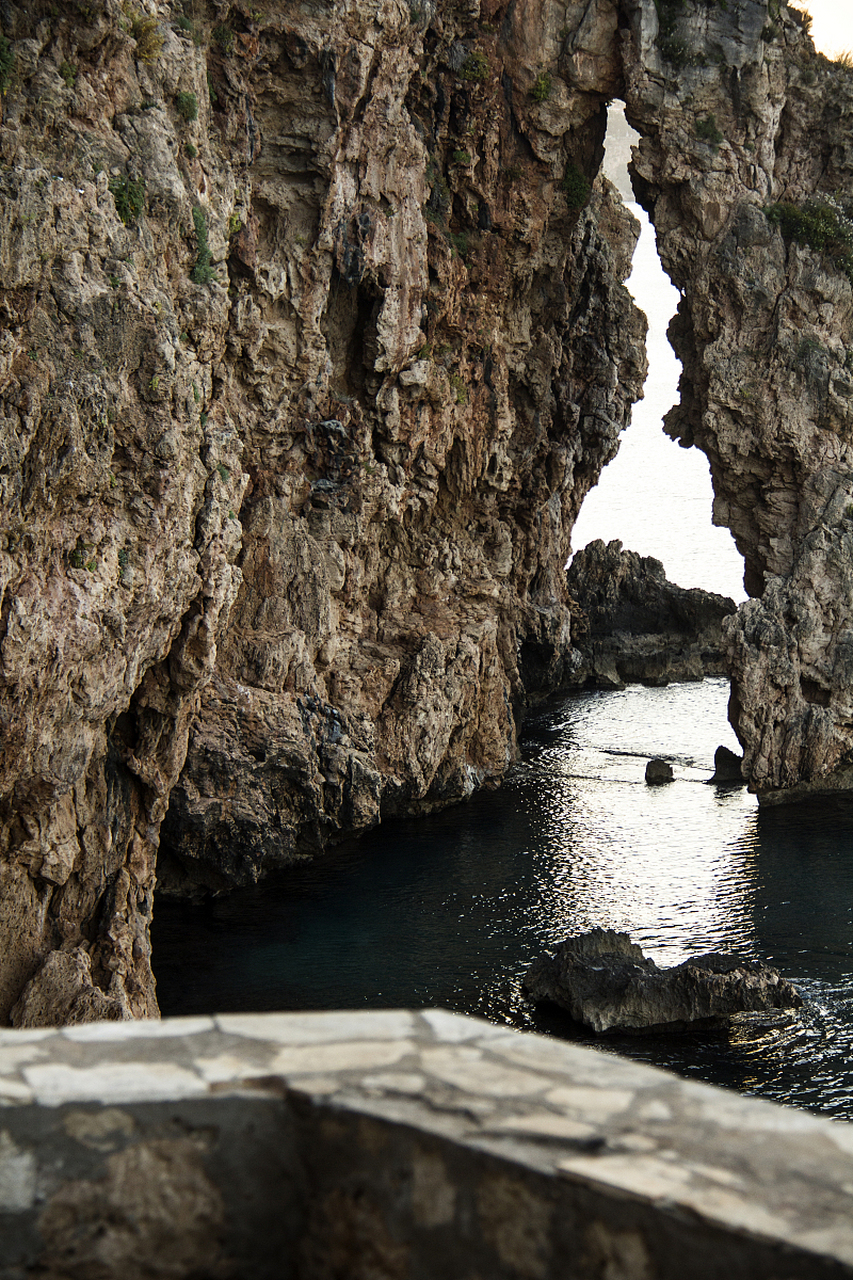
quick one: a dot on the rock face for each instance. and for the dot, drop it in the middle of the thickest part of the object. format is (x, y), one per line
(309, 357)
(639, 625)
(314, 340)
(739, 118)
(603, 980)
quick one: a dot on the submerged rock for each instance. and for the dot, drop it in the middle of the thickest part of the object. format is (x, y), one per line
(602, 979)
(640, 627)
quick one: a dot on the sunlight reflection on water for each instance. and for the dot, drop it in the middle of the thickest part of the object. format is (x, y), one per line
(450, 909)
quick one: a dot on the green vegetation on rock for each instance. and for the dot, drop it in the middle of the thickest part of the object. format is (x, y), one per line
(187, 104)
(541, 90)
(224, 37)
(202, 272)
(7, 63)
(129, 197)
(146, 32)
(576, 186)
(475, 67)
(820, 224)
(707, 131)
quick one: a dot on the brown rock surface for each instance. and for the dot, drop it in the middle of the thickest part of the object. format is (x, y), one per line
(639, 626)
(299, 397)
(288, 482)
(740, 115)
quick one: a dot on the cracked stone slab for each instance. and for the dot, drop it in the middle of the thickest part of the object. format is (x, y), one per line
(600, 1137)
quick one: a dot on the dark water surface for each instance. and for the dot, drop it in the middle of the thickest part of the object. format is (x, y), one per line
(449, 910)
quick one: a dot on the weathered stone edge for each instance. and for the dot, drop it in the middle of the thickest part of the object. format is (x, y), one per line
(751, 1167)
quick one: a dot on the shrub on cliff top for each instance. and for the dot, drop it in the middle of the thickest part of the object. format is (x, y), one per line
(819, 224)
(804, 19)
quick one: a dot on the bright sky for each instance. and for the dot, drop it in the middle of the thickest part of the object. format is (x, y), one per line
(832, 29)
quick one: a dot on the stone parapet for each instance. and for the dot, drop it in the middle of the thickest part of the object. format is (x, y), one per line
(397, 1144)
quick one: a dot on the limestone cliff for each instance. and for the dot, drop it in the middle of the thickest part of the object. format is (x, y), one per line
(314, 341)
(745, 166)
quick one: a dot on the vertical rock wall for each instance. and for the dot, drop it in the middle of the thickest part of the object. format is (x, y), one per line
(740, 120)
(314, 341)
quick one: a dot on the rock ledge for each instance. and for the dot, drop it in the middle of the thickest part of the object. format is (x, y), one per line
(603, 980)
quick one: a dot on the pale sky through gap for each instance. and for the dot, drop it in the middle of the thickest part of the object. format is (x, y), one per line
(832, 29)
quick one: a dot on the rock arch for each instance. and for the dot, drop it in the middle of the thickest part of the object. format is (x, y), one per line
(283, 537)
(738, 117)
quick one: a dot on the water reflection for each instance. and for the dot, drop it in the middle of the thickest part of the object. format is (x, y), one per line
(450, 910)
(660, 862)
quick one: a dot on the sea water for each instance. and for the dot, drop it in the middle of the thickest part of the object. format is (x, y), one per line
(450, 909)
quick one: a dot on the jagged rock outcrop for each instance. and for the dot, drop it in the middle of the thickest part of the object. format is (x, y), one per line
(314, 341)
(639, 626)
(739, 120)
(728, 768)
(310, 356)
(603, 980)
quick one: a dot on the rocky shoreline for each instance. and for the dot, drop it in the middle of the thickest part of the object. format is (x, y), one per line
(635, 626)
(314, 339)
(603, 980)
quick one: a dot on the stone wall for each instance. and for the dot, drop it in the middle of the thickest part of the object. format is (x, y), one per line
(391, 1145)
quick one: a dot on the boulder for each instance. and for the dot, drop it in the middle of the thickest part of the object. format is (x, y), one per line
(603, 980)
(658, 771)
(639, 626)
(727, 768)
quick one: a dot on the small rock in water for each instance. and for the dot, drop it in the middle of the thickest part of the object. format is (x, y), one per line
(658, 771)
(727, 766)
(602, 979)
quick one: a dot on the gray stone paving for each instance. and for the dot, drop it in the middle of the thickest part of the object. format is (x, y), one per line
(397, 1144)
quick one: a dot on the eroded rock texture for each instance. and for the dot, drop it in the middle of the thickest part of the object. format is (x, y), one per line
(639, 626)
(603, 980)
(308, 362)
(315, 339)
(738, 115)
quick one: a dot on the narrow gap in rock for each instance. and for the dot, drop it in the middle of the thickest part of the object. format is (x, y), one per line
(654, 496)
